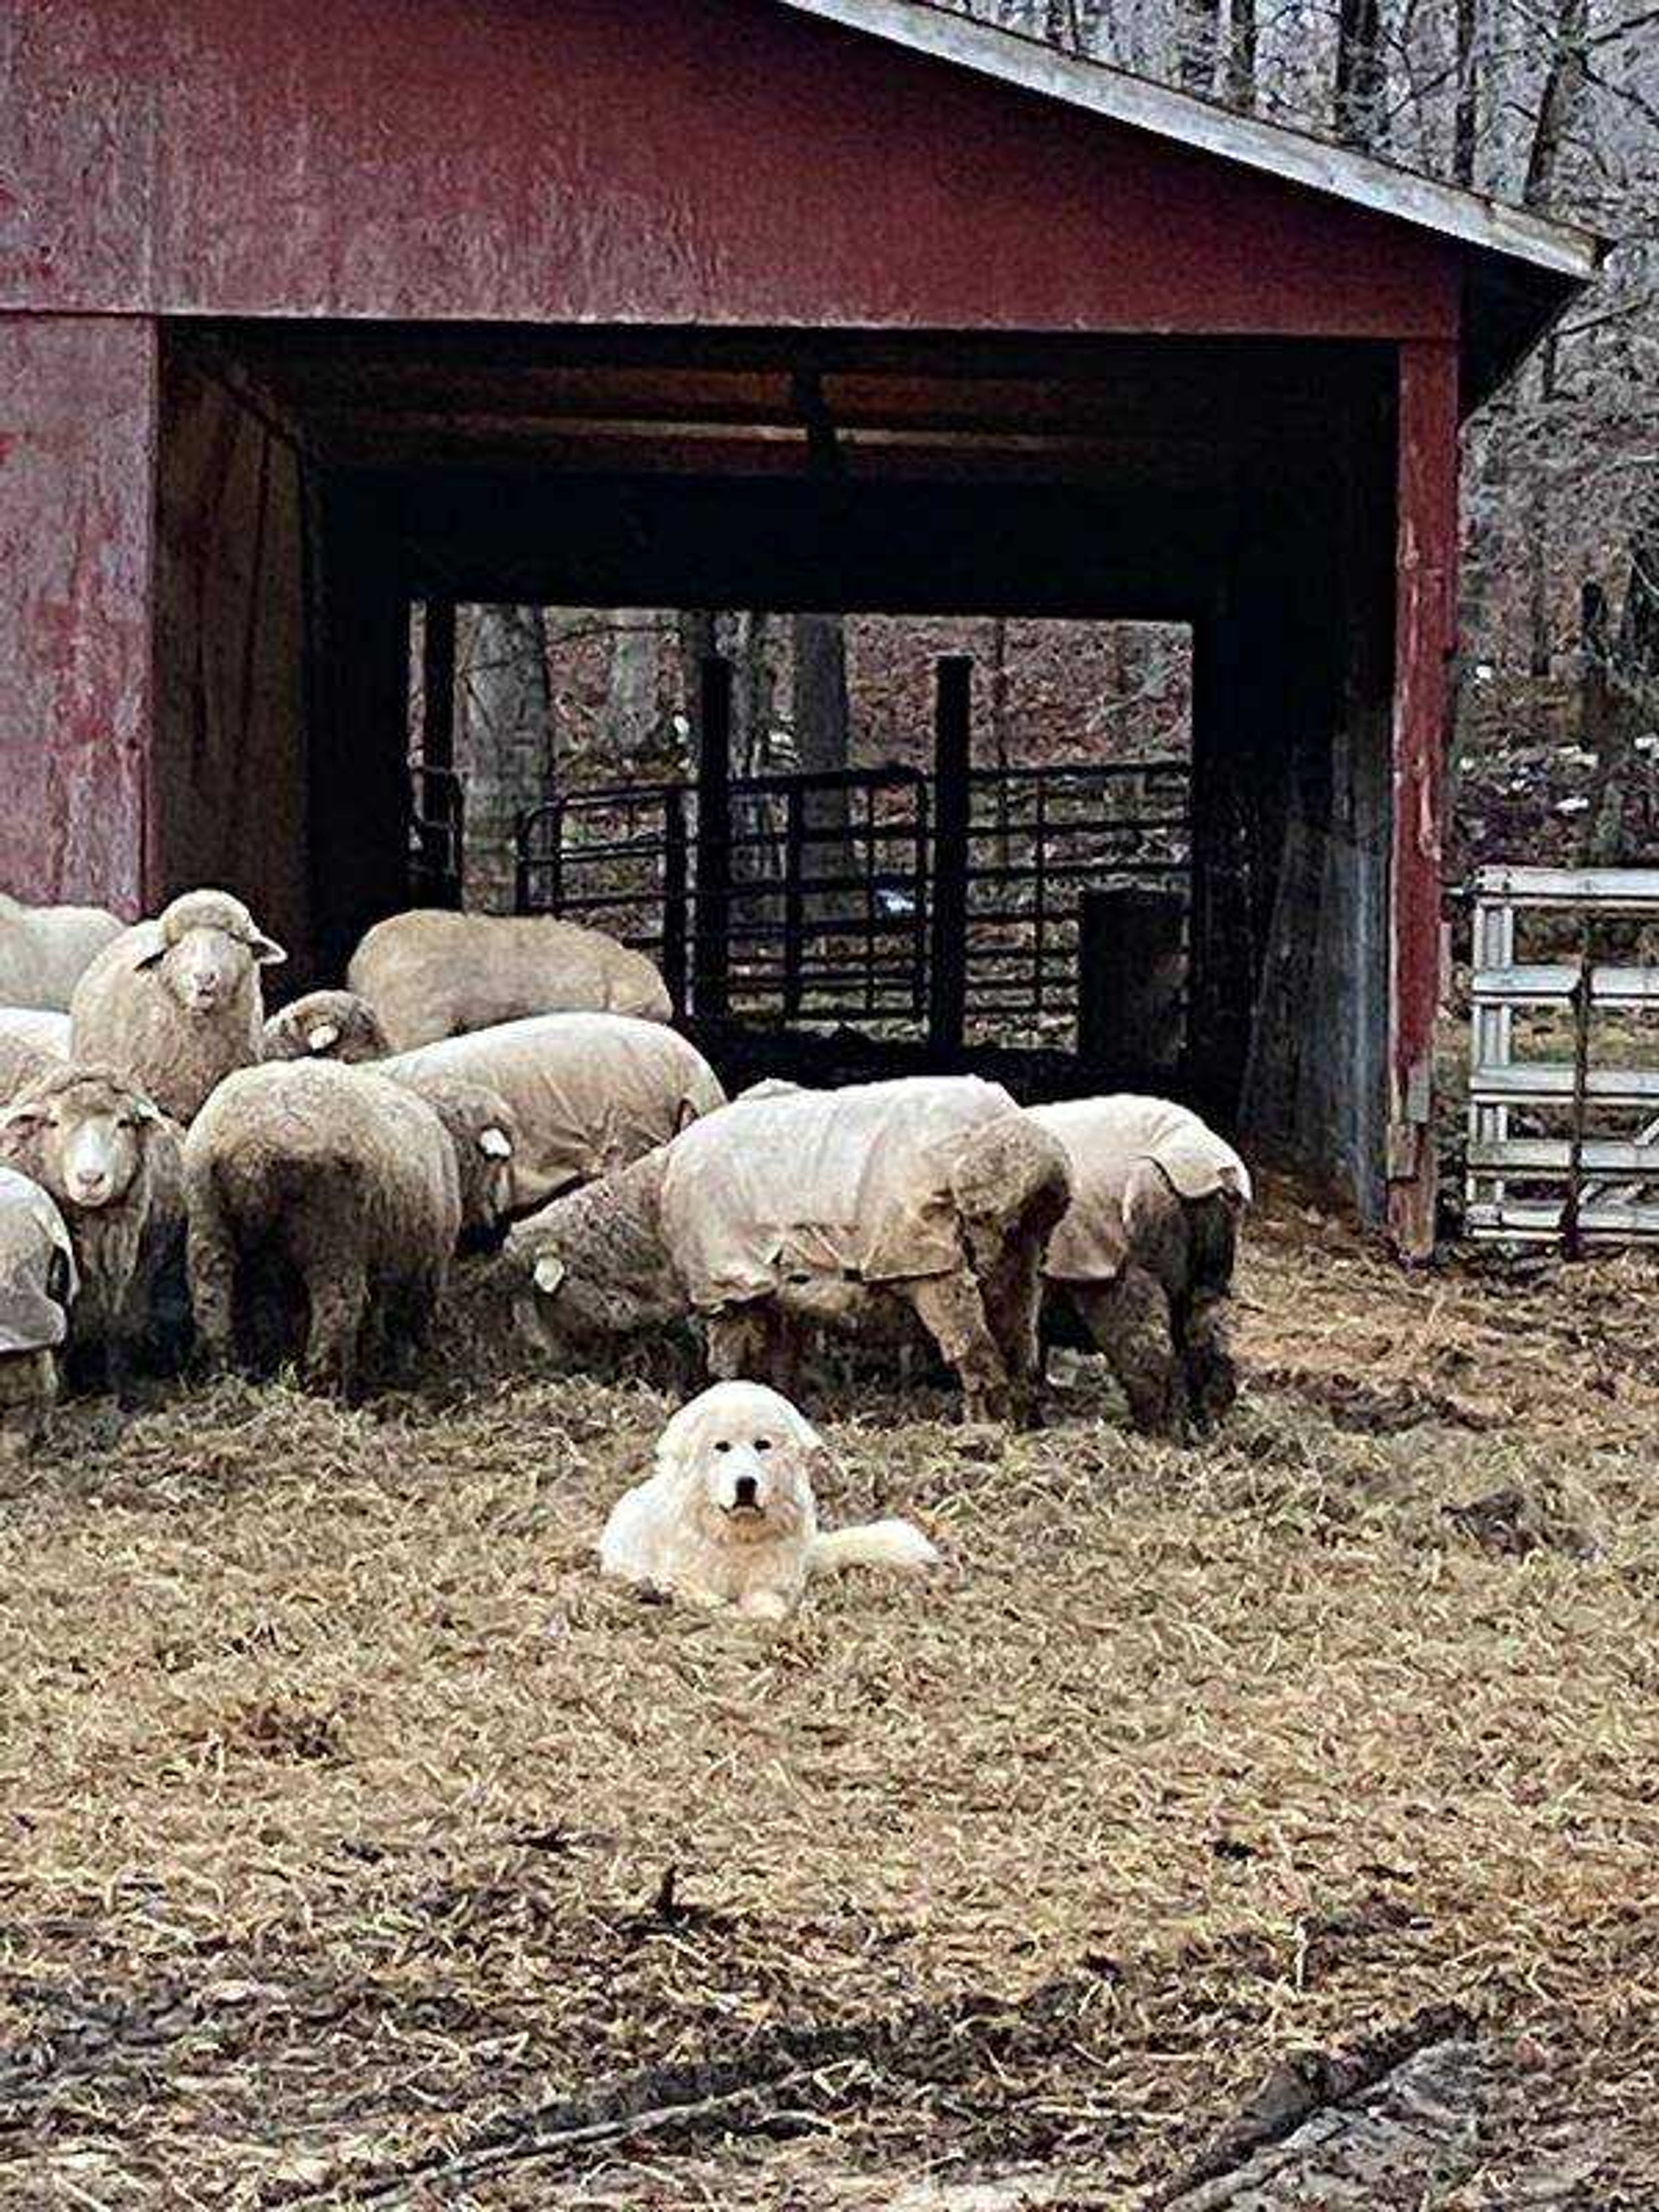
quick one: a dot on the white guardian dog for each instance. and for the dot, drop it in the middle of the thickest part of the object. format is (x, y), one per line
(728, 1517)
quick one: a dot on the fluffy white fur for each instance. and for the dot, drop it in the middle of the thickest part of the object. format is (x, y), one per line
(728, 1516)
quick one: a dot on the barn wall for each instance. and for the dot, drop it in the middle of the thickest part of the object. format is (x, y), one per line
(228, 782)
(729, 163)
(77, 423)
(1292, 741)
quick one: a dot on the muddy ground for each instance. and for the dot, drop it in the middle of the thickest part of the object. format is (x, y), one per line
(362, 1848)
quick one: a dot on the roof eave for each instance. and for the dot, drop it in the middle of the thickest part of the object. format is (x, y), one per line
(1561, 250)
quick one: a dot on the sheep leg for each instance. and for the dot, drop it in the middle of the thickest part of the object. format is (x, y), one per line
(1132, 1322)
(950, 1309)
(1212, 1379)
(339, 1302)
(750, 1343)
(211, 1264)
(1012, 1292)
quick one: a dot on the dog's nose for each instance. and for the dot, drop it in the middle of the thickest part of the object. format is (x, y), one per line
(748, 1490)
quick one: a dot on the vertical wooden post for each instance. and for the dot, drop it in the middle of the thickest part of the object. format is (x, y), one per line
(438, 685)
(711, 949)
(947, 995)
(794, 906)
(1425, 599)
(1131, 952)
(674, 900)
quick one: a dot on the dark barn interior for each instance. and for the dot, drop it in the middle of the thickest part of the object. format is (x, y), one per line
(316, 480)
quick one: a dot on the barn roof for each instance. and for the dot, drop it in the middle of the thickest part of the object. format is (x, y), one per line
(1520, 268)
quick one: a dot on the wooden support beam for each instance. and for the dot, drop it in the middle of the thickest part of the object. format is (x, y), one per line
(1132, 944)
(438, 685)
(1424, 628)
(947, 996)
(711, 951)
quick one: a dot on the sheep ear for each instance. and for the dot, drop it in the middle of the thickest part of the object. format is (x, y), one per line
(266, 951)
(152, 959)
(23, 1120)
(324, 1034)
(495, 1144)
(549, 1272)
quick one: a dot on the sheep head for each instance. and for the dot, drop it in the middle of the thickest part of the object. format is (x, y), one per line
(484, 1133)
(326, 1025)
(82, 1133)
(210, 952)
(593, 1265)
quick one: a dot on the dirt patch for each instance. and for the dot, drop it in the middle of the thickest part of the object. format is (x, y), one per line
(354, 1827)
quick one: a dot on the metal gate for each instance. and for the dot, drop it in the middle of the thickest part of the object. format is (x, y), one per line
(437, 835)
(1562, 1124)
(831, 890)
(823, 907)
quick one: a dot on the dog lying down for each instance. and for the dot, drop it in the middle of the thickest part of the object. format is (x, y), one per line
(728, 1517)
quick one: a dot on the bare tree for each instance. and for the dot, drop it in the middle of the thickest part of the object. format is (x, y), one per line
(630, 707)
(1242, 54)
(1360, 75)
(504, 743)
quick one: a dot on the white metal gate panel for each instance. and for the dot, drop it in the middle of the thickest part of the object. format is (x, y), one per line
(1580, 1188)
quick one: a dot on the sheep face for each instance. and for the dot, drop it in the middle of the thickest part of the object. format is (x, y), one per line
(208, 953)
(484, 1133)
(83, 1138)
(564, 1310)
(326, 1025)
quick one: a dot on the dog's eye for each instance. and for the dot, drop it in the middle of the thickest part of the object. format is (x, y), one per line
(722, 1445)
(763, 1443)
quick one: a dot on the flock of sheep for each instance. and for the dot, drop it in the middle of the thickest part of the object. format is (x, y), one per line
(188, 1184)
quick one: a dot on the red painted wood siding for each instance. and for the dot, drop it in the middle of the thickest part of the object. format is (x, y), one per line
(1425, 631)
(726, 162)
(77, 419)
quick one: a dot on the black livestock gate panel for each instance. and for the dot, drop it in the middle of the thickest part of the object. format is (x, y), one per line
(828, 884)
(1038, 840)
(437, 835)
(824, 895)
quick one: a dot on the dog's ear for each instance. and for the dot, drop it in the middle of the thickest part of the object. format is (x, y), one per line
(676, 1447)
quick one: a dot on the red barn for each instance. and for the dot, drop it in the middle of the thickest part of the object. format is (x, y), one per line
(310, 311)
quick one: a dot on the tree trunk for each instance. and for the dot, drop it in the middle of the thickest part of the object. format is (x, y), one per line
(1197, 35)
(505, 745)
(630, 704)
(1466, 121)
(1240, 55)
(1359, 72)
(1538, 625)
(1560, 104)
(821, 741)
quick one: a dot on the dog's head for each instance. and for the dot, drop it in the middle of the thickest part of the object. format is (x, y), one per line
(745, 1462)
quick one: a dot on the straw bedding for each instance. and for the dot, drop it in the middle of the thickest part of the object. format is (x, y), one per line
(364, 1847)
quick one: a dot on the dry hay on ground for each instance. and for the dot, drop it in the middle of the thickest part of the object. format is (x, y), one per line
(359, 1839)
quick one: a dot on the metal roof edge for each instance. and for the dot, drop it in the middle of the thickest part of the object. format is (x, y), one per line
(1471, 218)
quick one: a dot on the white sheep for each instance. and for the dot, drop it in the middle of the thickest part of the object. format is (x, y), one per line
(175, 1004)
(933, 1193)
(588, 1093)
(333, 1189)
(326, 1025)
(41, 1030)
(111, 1162)
(1143, 1256)
(430, 974)
(45, 950)
(38, 1286)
